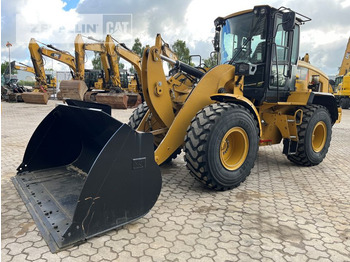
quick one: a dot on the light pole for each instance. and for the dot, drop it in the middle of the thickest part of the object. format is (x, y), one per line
(8, 44)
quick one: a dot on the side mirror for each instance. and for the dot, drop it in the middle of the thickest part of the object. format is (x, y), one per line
(216, 42)
(288, 21)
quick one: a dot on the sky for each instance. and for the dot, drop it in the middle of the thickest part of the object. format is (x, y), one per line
(58, 21)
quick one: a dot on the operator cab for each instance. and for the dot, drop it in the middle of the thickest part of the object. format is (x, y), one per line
(250, 40)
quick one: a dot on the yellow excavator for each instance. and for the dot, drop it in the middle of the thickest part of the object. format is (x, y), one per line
(84, 172)
(51, 81)
(42, 81)
(110, 84)
(121, 50)
(342, 80)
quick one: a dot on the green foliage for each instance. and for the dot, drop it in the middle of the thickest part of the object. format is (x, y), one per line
(96, 62)
(211, 61)
(26, 83)
(182, 51)
(121, 66)
(137, 47)
(4, 65)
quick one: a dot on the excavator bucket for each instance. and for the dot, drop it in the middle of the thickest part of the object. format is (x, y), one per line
(134, 100)
(35, 97)
(115, 100)
(84, 173)
(73, 89)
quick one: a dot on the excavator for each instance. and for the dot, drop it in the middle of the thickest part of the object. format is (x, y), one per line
(84, 172)
(342, 81)
(50, 79)
(40, 94)
(11, 91)
(110, 84)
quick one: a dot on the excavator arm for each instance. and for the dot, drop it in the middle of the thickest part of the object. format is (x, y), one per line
(60, 56)
(345, 66)
(113, 61)
(38, 63)
(24, 67)
(101, 49)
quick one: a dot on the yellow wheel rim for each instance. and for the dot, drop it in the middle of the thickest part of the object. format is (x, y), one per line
(319, 136)
(234, 148)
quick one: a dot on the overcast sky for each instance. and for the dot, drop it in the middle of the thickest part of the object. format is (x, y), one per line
(51, 21)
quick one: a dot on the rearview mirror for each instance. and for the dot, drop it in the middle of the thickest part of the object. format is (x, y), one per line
(288, 21)
(216, 41)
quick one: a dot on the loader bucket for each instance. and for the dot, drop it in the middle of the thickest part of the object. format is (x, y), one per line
(84, 173)
(105, 108)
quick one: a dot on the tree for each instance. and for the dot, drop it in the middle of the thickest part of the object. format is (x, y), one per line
(137, 47)
(182, 51)
(96, 61)
(211, 61)
(4, 66)
(121, 66)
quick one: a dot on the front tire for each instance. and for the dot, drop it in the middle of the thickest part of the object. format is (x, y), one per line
(221, 145)
(135, 120)
(314, 135)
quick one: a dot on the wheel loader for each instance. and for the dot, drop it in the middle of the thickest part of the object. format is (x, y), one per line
(84, 172)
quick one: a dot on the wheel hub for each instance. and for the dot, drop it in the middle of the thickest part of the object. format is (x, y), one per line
(234, 148)
(319, 135)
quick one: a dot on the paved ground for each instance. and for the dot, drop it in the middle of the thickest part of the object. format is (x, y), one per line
(282, 212)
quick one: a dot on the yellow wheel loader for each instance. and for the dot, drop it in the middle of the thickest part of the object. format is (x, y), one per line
(84, 173)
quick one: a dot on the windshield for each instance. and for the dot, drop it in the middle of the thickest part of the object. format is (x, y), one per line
(242, 39)
(338, 80)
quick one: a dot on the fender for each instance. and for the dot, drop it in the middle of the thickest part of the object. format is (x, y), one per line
(327, 100)
(225, 97)
(210, 83)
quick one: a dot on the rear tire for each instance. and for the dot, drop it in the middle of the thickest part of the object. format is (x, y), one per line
(314, 135)
(221, 145)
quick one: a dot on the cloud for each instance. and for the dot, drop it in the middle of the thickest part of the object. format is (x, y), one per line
(324, 38)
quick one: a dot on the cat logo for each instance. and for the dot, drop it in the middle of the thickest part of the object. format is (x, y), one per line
(55, 56)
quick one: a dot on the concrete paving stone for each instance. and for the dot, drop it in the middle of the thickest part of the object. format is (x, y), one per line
(246, 257)
(275, 255)
(180, 246)
(282, 212)
(320, 260)
(84, 249)
(201, 252)
(137, 250)
(337, 256)
(178, 257)
(314, 253)
(17, 248)
(157, 254)
(34, 253)
(231, 247)
(100, 241)
(206, 259)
